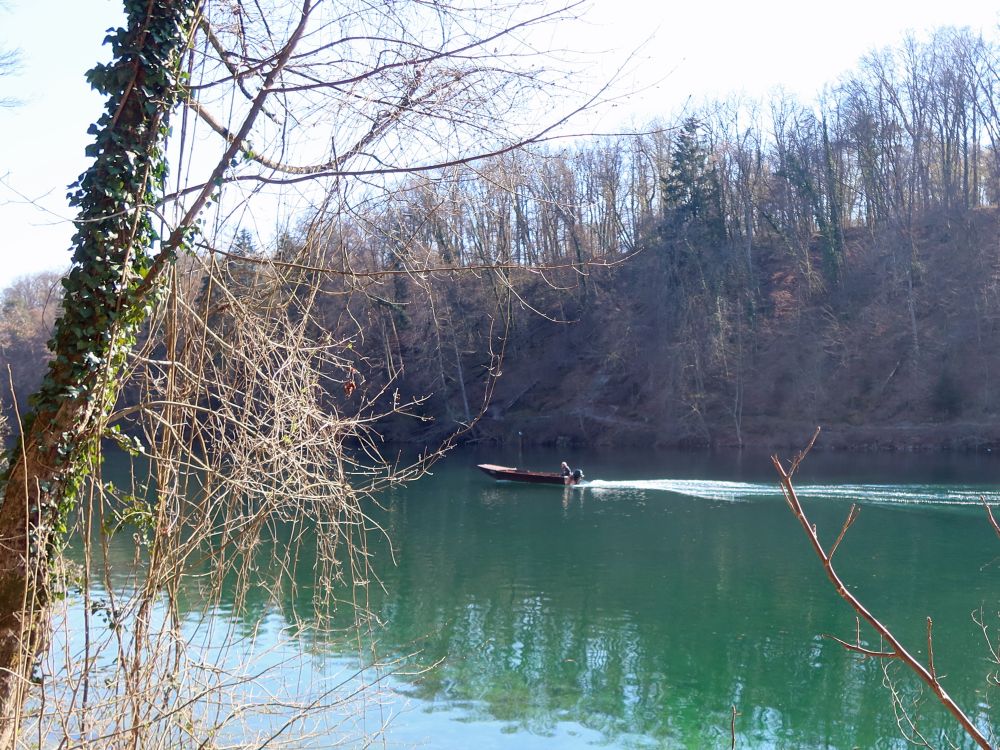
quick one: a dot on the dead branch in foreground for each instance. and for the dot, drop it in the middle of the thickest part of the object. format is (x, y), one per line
(928, 674)
(993, 520)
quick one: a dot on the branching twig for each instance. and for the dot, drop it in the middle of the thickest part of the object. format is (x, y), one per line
(852, 516)
(859, 649)
(896, 650)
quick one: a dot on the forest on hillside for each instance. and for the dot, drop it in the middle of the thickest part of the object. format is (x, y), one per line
(735, 276)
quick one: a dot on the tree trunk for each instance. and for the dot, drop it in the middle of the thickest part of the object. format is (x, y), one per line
(110, 287)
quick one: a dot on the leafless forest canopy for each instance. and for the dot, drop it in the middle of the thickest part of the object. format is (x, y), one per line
(736, 275)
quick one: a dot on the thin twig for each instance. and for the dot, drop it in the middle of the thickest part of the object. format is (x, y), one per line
(852, 516)
(897, 649)
(803, 453)
(930, 648)
(859, 649)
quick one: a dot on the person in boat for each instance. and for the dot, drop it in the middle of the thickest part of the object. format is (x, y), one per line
(569, 475)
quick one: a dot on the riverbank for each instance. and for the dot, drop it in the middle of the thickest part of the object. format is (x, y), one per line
(589, 430)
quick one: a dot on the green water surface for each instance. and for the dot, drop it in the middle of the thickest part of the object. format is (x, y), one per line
(671, 588)
(641, 608)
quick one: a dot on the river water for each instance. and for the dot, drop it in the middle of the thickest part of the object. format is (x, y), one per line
(644, 607)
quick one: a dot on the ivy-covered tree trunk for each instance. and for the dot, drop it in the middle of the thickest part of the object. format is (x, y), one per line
(112, 284)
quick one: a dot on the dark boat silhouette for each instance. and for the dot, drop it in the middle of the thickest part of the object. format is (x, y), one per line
(513, 474)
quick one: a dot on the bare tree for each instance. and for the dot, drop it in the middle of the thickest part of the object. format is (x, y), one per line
(8, 64)
(336, 102)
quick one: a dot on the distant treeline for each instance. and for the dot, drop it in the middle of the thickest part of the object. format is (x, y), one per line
(747, 268)
(786, 261)
(912, 130)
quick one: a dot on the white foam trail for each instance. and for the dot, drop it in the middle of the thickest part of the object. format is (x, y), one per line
(901, 494)
(904, 494)
(707, 489)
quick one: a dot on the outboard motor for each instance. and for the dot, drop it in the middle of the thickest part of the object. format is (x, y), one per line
(577, 475)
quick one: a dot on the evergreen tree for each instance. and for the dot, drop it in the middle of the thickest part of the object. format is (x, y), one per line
(691, 193)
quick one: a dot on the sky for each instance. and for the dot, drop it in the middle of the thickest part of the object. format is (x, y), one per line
(682, 50)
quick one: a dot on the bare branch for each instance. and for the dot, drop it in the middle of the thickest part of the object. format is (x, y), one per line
(852, 516)
(592, 263)
(897, 649)
(989, 513)
(930, 648)
(803, 453)
(176, 238)
(859, 649)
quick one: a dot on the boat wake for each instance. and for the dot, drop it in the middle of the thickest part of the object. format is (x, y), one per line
(709, 490)
(883, 494)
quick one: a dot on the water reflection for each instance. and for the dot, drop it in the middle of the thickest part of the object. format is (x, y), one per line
(638, 612)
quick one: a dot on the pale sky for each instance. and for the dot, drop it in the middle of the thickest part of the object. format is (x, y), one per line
(702, 50)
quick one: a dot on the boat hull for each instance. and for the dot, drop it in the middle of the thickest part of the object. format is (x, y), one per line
(513, 474)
